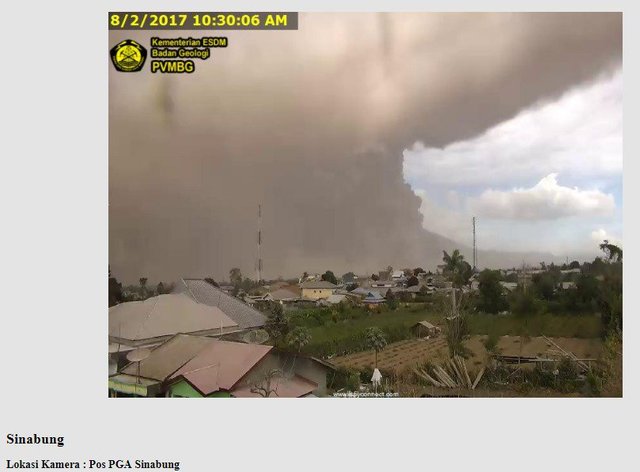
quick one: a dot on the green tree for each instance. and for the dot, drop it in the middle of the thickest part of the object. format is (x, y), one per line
(612, 252)
(115, 290)
(512, 277)
(143, 287)
(392, 303)
(413, 281)
(452, 260)
(235, 277)
(523, 303)
(248, 285)
(610, 299)
(587, 288)
(375, 340)
(277, 324)
(457, 269)
(298, 338)
(328, 276)
(349, 277)
(544, 285)
(491, 299)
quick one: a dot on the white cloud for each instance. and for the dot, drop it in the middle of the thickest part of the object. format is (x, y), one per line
(579, 134)
(509, 176)
(601, 234)
(544, 201)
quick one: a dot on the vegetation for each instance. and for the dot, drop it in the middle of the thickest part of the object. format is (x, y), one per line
(277, 324)
(456, 268)
(376, 340)
(115, 290)
(143, 287)
(344, 334)
(235, 277)
(299, 337)
(328, 276)
(491, 344)
(349, 277)
(491, 299)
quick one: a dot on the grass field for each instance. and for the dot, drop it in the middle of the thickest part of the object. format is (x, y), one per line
(331, 334)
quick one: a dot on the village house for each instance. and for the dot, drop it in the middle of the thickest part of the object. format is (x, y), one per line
(425, 329)
(156, 319)
(361, 292)
(373, 299)
(286, 294)
(194, 307)
(203, 292)
(317, 289)
(509, 286)
(198, 366)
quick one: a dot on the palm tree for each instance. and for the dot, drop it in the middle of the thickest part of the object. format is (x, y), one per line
(452, 262)
(458, 269)
(298, 338)
(375, 340)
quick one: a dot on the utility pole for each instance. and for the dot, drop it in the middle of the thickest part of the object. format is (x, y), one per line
(259, 256)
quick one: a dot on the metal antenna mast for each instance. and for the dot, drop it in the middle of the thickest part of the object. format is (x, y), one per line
(259, 258)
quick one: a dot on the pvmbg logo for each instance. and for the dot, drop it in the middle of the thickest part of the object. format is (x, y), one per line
(128, 56)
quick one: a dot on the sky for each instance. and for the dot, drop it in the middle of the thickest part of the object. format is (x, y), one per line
(370, 140)
(549, 177)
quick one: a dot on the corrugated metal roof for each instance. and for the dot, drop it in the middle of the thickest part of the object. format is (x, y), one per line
(426, 324)
(165, 359)
(220, 365)
(164, 315)
(336, 298)
(373, 296)
(360, 291)
(203, 292)
(317, 284)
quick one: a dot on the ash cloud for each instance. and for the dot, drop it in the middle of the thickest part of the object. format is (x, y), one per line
(312, 124)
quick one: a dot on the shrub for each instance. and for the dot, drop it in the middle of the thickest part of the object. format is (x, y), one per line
(353, 382)
(491, 344)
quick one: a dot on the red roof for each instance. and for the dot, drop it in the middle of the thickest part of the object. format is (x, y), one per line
(220, 365)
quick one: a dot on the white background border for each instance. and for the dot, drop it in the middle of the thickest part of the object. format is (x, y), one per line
(53, 315)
